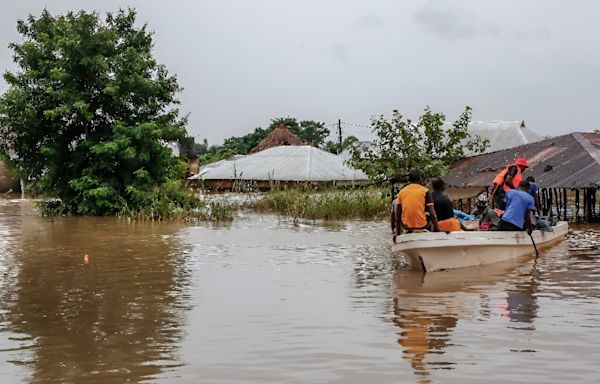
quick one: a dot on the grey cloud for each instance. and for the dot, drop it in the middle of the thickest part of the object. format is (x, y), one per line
(339, 52)
(370, 22)
(451, 22)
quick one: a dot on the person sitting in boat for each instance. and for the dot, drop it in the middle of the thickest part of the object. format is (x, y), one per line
(443, 208)
(519, 205)
(488, 218)
(413, 200)
(508, 179)
(533, 191)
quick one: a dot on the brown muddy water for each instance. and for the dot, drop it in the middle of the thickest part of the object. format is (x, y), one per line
(265, 301)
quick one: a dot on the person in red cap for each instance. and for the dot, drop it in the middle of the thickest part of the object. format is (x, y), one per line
(508, 179)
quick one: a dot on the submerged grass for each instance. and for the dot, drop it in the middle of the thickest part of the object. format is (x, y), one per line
(326, 205)
(188, 209)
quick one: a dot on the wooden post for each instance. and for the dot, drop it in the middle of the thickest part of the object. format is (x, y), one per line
(557, 203)
(593, 202)
(460, 204)
(586, 218)
(564, 192)
(339, 136)
(543, 204)
(576, 215)
(549, 201)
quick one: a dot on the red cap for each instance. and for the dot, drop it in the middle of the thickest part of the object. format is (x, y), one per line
(522, 161)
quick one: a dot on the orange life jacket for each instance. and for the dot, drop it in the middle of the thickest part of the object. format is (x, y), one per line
(499, 180)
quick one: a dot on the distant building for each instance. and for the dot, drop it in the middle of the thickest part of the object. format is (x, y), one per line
(288, 164)
(501, 134)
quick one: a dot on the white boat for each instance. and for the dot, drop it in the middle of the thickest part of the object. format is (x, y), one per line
(434, 251)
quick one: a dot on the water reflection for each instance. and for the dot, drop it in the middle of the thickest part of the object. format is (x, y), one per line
(116, 318)
(428, 307)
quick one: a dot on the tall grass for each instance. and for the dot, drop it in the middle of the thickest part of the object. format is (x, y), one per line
(327, 205)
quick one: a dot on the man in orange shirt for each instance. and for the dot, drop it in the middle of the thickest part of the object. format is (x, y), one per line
(413, 200)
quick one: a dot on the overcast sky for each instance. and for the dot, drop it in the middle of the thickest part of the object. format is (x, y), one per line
(245, 62)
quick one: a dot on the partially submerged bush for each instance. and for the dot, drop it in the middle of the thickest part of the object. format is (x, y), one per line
(215, 211)
(327, 205)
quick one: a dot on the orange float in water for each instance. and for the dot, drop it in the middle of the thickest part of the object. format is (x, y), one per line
(86, 259)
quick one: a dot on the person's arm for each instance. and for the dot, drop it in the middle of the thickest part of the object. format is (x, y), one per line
(398, 219)
(432, 215)
(528, 224)
(528, 212)
(393, 218)
(510, 175)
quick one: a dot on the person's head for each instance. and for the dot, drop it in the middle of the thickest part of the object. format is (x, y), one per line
(414, 176)
(531, 179)
(482, 200)
(438, 184)
(521, 162)
(524, 185)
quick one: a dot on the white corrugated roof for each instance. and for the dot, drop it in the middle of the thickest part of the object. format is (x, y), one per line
(501, 134)
(284, 163)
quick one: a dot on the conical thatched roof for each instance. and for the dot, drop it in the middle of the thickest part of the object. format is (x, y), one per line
(277, 137)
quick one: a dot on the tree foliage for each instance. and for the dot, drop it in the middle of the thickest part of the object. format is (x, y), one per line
(403, 144)
(88, 112)
(347, 143)
(312, 132)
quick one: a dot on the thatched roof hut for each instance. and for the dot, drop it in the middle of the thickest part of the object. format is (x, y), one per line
(278, 137)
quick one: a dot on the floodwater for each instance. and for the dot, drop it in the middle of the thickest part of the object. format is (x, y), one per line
(262, 300)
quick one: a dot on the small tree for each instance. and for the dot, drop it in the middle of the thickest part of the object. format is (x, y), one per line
(402, 145)
(89, 110)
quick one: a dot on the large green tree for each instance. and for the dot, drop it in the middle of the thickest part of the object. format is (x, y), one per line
(402, 144)
(89, 110)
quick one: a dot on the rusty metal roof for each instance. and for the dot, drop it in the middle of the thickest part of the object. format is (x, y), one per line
(568, 161)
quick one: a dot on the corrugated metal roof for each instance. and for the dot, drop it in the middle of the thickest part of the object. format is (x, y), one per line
(568, 161)
(284, 163)
(501, 134)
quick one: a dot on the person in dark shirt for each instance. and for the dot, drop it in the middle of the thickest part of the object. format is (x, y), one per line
(533, 191)
(443, 208)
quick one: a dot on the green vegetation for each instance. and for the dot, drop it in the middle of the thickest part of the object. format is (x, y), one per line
(367, 203)
(88, 113)
(403, 144)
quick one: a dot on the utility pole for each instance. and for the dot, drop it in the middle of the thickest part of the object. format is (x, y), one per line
(339, 136)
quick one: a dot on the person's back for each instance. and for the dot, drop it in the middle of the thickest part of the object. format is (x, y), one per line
(443, 207)
(518, 204)
(412, 201)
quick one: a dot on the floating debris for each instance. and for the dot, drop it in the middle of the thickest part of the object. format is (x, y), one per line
(582, 240)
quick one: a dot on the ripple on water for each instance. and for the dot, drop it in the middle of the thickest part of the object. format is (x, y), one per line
(267, 300)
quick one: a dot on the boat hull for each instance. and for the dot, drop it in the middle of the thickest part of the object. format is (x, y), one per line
(438, 251)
